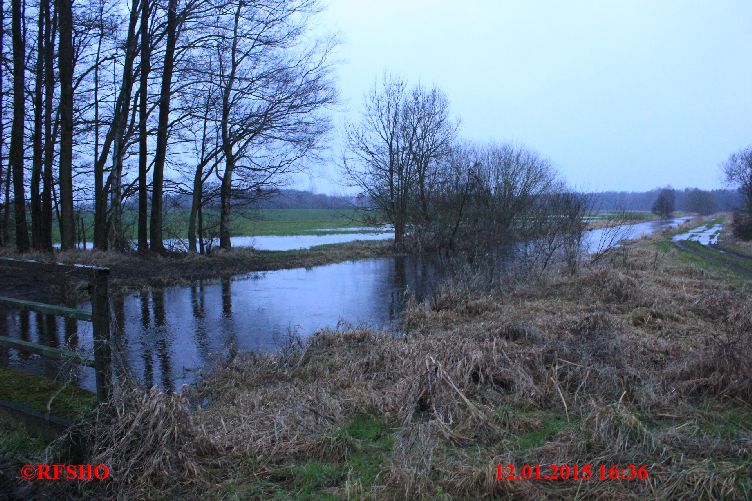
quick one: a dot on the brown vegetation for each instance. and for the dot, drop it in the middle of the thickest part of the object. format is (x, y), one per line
(637, 360)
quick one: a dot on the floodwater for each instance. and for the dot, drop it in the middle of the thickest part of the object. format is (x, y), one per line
(604, 238)
(166, 336)
(290, 242)
(703, 235)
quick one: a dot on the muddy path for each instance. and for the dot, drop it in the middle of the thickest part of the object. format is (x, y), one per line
(733, 261)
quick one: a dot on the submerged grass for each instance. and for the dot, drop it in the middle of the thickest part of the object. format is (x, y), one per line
(641, 359)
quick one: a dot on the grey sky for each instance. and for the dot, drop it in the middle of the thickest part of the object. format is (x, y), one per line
(625, 95)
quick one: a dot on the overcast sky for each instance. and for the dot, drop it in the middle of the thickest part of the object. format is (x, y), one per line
(619, 94)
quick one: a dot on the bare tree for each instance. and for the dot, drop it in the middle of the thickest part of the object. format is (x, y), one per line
(3, 184)
(271, 91)
(50, 25)
(143, 113)
(378, 159)
(17, 130)
(37, 137)
(65, 65)
(162, 130)
(394, 150)
(267, 79)
(115, 139)
(208, 151)
(428, 133)
(738, 172)
(105, 27)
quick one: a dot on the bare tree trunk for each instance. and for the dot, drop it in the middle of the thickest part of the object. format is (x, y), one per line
(399, 231)
(100, 197)
(49, 140)
(116, 137)
(6, 216)
(224, 195)
(198, 182)
(37, 151)
(164, 115)
(4, 222)
(65, 66)
(226, 188)
(195, 202)
(17, 131)
(143, 195)
(200, 216)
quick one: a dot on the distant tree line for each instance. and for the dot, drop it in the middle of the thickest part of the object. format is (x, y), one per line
(274, 199)
(119, 102)
(686, 200)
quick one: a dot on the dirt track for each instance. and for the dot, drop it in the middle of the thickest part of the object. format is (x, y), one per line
(720, 256)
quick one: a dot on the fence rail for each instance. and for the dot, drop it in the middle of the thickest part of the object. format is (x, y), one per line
(61, 311)
(99, 316)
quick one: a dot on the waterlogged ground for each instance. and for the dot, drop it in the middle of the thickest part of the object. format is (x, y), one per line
(167, 335)
(707, 246)
(294, 242)
(288, 242)
(604, 238)
(705, 235)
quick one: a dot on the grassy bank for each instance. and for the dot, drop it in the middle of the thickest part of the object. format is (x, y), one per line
(640, 359)
(129, 271)
(245, 222)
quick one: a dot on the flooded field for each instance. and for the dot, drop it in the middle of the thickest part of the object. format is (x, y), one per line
(166, 336)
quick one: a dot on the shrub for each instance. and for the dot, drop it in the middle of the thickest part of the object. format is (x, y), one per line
(742, 226)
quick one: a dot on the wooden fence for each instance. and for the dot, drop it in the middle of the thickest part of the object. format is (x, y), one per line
(99, 316)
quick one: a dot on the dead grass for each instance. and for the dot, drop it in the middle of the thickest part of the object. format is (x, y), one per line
(639, 359)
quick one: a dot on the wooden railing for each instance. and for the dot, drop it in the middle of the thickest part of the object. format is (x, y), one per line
(99, 316)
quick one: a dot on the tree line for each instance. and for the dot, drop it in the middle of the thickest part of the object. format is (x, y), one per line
(114, 101)
(688, 200)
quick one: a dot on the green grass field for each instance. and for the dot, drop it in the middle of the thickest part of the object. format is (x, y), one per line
(247, 222)
(282, 222)
(635, 216)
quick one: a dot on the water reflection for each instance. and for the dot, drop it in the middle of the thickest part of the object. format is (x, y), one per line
(148, 372)
(162, 335)
(167, 336)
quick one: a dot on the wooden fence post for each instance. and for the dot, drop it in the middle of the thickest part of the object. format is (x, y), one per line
(100, 312)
